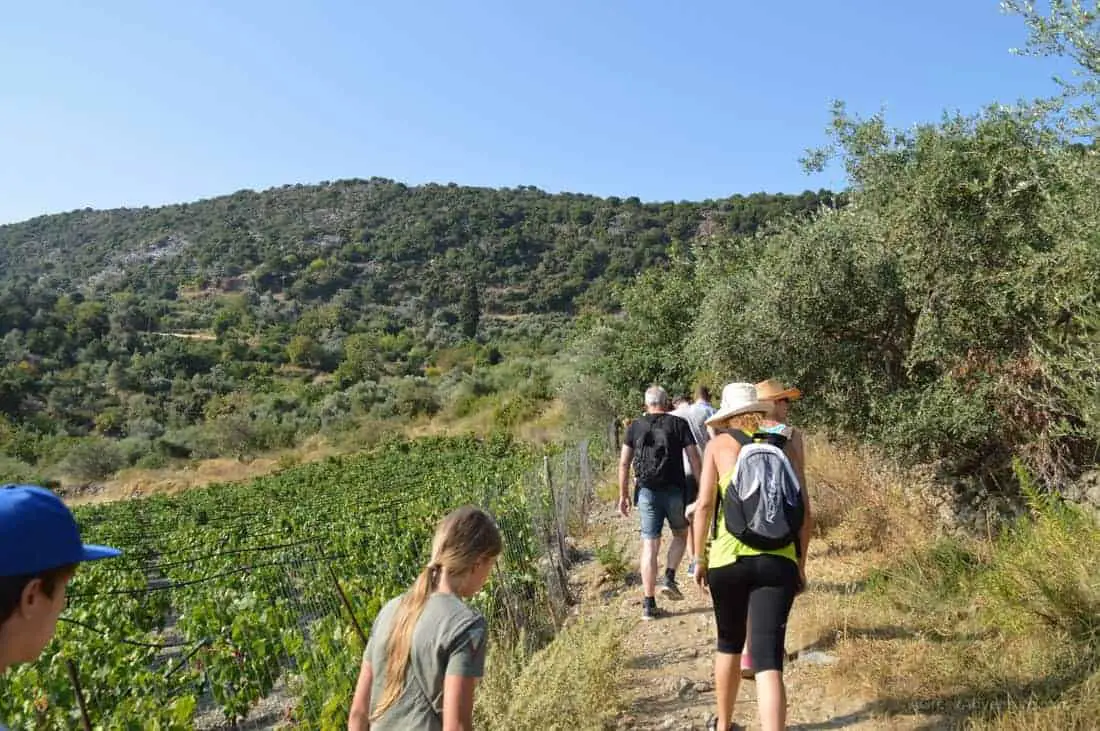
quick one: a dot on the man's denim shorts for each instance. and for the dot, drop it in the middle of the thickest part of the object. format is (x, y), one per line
(657, 506)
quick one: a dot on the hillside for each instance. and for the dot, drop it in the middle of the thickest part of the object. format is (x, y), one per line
(244, 324)
(388, 243)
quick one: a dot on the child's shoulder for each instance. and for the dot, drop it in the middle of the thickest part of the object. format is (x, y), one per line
(451, 615)
(453, 606)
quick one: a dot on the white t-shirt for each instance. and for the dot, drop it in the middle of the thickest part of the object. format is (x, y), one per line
(696, 416)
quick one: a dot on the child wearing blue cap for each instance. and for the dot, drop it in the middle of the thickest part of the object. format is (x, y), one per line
(40, 548)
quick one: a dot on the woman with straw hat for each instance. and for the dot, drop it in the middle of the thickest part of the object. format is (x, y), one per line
(779, 397)
(742, 580)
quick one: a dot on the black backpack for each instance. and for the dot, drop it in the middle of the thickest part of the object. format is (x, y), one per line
(653, 454)
(763, 505)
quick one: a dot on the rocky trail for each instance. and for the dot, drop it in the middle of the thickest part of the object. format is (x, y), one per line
(668, 671)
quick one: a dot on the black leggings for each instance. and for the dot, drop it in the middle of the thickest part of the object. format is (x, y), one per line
(760, 588)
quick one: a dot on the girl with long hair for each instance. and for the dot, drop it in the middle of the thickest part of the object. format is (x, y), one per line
(427, 647)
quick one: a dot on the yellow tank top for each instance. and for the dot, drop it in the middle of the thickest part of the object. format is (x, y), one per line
(724, 549)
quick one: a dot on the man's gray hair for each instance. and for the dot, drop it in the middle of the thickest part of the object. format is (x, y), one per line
(656, 396)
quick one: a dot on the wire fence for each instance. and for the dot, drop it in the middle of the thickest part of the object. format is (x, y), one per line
(265, 628)
(559, 495)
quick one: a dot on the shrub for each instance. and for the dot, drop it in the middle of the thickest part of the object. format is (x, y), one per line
(14, 470)
(573, 683)
(93, 458)
(1045, 573)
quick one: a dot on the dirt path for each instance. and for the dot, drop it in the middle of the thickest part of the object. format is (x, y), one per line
(669, 666)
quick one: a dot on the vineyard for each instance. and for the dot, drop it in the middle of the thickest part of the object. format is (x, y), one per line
(246, 605)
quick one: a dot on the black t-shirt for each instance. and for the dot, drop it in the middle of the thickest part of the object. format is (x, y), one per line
(679, 437)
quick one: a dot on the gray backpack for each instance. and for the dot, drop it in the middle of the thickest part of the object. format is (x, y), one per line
(763, 504)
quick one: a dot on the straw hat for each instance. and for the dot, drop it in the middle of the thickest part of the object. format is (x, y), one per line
(773, 390)
(737, 399)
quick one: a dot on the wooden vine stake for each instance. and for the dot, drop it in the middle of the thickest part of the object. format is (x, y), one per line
(79, 694)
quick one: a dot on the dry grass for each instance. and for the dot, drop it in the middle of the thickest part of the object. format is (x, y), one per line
(546, 427)
(861, 503)
(966, 633)
(479, 423)
(136, 482)
(542, 429)
(573, 683)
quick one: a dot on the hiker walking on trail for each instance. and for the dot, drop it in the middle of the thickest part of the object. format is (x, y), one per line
(655, 446)
(696, 415)
(754, 506)
(40, 549)
(702, 401)
(779, 397)
(427, 647)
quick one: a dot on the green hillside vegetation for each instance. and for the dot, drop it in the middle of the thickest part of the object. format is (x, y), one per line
(245, 323)
(376, 242)
(943, 314)
(948, 313)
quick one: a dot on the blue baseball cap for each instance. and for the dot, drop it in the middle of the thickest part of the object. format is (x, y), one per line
(38, 532)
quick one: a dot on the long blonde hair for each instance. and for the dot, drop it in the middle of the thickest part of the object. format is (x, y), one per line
(463, 538)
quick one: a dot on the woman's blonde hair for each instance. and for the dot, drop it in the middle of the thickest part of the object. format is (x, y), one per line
(749, 422)
(463, 538)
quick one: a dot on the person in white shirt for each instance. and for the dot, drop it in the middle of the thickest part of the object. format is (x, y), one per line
(696, 415)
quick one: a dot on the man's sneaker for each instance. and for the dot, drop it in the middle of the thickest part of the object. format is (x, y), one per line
(669, 588)
(651, 612)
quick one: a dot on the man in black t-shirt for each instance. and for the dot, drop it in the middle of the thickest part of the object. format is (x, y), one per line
(655, 447)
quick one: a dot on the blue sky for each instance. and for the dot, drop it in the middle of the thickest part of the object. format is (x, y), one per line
(142, 103)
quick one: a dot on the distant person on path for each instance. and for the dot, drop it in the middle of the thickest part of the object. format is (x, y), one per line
(40, 549)
(775, 421)
(655, 447)
(427, 647)
(779, 397)
(702, 401)
(753, 502)
(696, 415)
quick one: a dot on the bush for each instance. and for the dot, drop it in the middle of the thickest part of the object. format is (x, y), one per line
(14, 470)
(93, 458)
(1044, 571)
(415, 397)
(573, 683)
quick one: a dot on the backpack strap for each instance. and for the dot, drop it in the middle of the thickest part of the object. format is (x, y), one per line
(647, 427)
(777, 439)
(742, 438)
